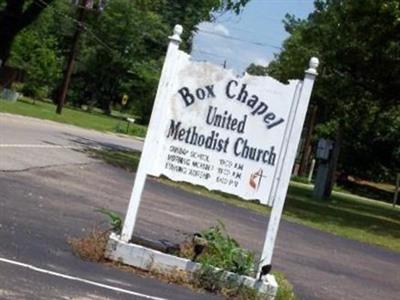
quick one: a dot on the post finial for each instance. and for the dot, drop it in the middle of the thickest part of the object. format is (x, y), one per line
(178, 29)
(313, 65)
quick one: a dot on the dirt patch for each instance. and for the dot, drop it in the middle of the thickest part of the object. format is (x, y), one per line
(91, 247)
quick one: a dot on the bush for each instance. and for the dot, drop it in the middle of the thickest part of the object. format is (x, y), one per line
(34, 91)
(225, 252)
(91, 247)
(215, 281)
(285, 289)
(300, 179)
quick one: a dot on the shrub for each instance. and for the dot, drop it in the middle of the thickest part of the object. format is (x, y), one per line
(225, 252)
(91, 247)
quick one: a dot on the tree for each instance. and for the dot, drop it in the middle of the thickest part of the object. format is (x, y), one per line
(127, 37)
(38, 50)
(134, 38)
(38, 58)
(190, 13)
(256, 70)
(121, 50)
(356, 92)
(14, 17)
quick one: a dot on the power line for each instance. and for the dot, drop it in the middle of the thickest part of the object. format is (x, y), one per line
(94, 36)
(98, 39)
(208, 53)
(233, 38)
(79, 23)
(248, 31)
(219, 56)
(239, 18)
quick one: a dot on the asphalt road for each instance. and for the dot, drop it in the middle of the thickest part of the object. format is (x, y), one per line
(37, 219)
(30, 143)
(45, 201)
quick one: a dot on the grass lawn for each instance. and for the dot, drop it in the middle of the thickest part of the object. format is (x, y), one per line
(93, 120)
(345, 215)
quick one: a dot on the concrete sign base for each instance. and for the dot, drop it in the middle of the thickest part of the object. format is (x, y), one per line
(148, 259)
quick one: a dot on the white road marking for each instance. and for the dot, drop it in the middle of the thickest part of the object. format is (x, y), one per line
(73, 278)
(36, 146)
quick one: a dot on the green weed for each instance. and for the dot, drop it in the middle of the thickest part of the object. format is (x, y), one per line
(225, 252)
(114, 219)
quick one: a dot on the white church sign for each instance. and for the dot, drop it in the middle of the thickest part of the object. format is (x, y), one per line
(223, 132)
(233, 134)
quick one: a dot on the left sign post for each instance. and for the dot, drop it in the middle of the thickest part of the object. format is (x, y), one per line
(150, 144)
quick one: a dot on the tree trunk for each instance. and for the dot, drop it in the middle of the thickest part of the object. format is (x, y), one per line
(13, 19)
(334, 161)
(305, 158)
(9, 20)
(5, 48)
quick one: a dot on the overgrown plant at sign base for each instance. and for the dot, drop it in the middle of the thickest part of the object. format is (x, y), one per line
(224, 252)
(114, 219)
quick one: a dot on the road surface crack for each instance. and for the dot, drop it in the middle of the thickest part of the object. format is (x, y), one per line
(49, 167)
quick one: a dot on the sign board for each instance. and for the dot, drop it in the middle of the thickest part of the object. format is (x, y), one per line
(222, 131)
(124, 100)
(235, 134)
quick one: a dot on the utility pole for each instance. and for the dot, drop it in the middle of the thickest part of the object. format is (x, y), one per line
(71, 59)
(397, 190)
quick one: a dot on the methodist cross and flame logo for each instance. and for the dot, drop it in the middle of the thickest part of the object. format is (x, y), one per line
(255, 179)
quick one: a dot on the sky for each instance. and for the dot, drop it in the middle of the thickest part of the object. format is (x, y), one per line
(252, 37)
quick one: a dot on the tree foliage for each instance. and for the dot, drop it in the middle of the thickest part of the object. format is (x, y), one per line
(256, 70)
(15, 16)
(121, 49)
(357, 89)
(38, 51)
(134, 37)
